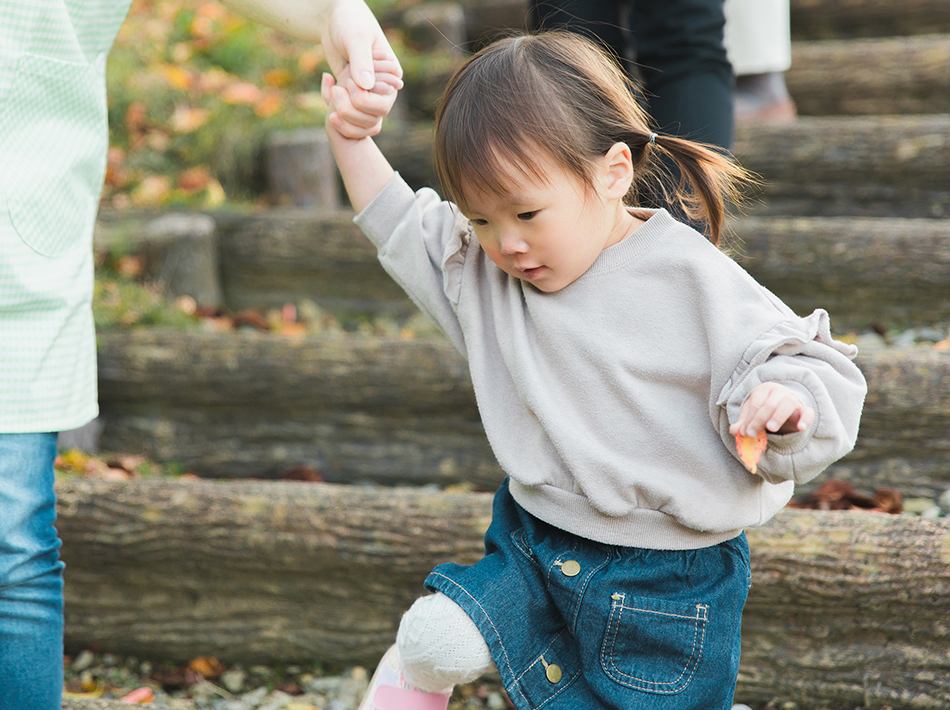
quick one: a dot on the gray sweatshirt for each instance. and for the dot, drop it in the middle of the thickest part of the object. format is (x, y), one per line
(608, 403)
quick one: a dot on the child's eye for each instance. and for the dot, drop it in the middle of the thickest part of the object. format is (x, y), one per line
(478, 222)
(525, 216)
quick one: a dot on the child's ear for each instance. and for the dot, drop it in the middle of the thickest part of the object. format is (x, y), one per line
(617, 172)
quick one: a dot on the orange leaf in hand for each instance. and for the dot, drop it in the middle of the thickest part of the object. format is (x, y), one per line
(750, 449)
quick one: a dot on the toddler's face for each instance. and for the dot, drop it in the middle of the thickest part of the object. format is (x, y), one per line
(546, 232)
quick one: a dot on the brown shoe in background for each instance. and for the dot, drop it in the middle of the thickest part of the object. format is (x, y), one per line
(763, 97)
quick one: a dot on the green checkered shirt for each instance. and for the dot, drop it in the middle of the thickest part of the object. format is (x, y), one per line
(53, 141)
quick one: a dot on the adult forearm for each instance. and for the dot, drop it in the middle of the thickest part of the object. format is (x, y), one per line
(305, 19)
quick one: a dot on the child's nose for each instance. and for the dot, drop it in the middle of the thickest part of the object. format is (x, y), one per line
(513, 244)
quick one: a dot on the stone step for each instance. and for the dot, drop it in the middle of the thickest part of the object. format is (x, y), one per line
(395, 411)
(892, 75)
(890, 273)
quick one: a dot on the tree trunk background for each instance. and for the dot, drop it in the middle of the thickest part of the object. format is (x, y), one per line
(845, 608)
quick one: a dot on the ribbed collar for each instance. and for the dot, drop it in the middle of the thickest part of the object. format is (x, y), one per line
(621, 253)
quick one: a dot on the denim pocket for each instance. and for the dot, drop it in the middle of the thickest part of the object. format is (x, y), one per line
(653, 645)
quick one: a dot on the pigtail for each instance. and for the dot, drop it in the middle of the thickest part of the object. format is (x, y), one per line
(708, 180)
(560, 93)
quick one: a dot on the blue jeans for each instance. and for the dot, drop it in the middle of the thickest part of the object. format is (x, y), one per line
(31, 576)
(573, 623)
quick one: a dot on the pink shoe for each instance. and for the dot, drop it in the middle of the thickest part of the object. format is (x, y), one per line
(389, 689)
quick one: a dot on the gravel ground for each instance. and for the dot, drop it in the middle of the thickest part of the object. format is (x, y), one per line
(205, 684)
(100, 681)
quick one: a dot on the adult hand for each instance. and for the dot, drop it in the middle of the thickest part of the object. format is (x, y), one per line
(347, 28)
(352, 38)
(354, 112)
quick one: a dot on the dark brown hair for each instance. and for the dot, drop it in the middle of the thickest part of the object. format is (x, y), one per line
(560, 95)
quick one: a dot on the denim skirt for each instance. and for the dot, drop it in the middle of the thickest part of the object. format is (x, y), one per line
(574, 624)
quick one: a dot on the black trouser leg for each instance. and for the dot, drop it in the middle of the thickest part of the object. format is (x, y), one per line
(600, 19)
(679, 49)
(685, 70)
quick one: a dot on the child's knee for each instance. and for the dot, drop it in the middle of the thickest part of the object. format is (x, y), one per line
(440, 646)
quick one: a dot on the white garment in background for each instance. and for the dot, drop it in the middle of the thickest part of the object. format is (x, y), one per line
(758, 36)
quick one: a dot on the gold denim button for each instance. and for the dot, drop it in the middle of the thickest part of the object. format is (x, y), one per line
(553, 672)
(571, 568)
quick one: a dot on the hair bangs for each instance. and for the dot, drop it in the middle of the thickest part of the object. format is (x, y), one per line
(494, 120)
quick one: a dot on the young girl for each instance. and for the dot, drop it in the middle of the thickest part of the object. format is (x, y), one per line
(615, 354)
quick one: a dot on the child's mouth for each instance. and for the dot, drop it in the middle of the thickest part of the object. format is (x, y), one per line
(531, 274)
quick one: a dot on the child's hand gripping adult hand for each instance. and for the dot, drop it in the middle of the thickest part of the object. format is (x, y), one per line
(772, 407)
(354, 112)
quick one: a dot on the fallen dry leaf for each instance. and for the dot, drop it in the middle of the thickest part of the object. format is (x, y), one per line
(139, 695)
(152, 191)
(252, 318)
(841, 495)
(302, 472)
(278, 77)
(136, 116)
(130, 266)
(750, 449)
(268, 106)
(207, 666)
(195, 178)
(128, 462)
(309, 60)
(187, 119)
(242, 93)
(176, 77)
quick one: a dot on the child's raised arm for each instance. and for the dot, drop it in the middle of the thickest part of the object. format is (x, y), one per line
(352, 120)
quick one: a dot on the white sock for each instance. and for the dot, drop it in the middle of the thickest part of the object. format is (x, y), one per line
(440, 646)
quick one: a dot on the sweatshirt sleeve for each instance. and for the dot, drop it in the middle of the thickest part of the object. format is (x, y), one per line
(421, 242)
(800, 354)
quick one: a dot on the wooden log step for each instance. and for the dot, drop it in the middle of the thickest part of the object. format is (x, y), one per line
(810, 19)
(872, 76)
(893, 75)
(831, 19)
(863, 271)
(845, 609)
(882, 166)
(873, 166)
(887, 272)
(282, 256)
(403, 412)
(892, 273)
